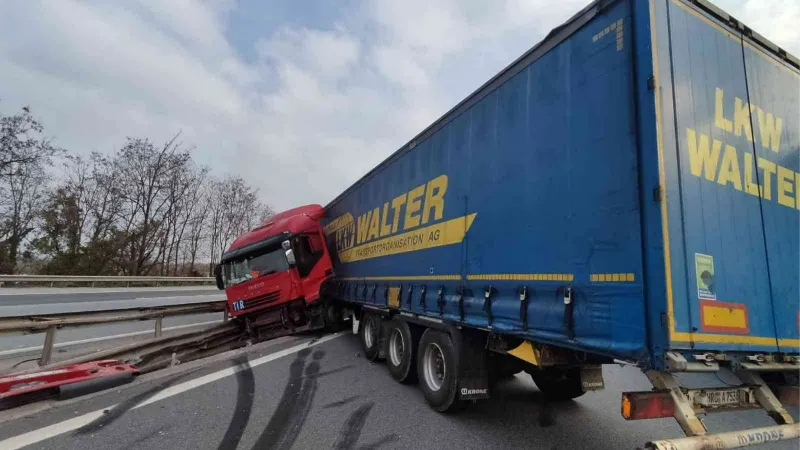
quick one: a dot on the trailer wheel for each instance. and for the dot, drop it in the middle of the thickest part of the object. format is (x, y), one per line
(401, 348)
(503, 367)
(369, 331)
(558, 384)
(436, 369)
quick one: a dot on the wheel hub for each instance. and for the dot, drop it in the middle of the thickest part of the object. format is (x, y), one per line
(369, 333)
(396, 347)
(435, 366)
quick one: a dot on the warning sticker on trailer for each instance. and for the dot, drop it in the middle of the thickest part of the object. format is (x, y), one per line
(704, 270)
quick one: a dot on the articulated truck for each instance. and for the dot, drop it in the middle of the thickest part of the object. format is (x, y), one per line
(627, 190)
(273, 274)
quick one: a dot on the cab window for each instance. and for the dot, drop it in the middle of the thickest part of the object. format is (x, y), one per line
(307, 250)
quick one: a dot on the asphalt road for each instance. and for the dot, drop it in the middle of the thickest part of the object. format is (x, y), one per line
(284, 394)
(42, 301)
(52, 296)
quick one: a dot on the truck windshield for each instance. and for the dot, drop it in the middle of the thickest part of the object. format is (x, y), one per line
(254, 265)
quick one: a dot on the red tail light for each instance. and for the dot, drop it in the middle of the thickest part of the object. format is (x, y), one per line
(647, 405)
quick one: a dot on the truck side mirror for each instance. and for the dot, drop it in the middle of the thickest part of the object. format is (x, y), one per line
(218, 277)
(290, 257)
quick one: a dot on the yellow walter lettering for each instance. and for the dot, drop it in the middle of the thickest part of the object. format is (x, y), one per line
(436, 235)
(700, 159)
(785, 188)
(770, 127)
(413, 206)
(386, 229)
(434, 198)
(797, 185)
(419, 206)
(363, 226)
(729, 169)
(751, 186)
(374, 224)
(397, 203)
(705, 162)
(769, 170)
(704, 153)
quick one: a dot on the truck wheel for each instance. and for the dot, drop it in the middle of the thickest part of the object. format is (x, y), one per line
(401, 356)
(558, 384)
(332, 317)
(436, 370)
(369, 331)
(503, 367)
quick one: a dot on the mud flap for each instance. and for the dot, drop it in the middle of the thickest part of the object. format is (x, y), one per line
(473, 373)
(592, 378)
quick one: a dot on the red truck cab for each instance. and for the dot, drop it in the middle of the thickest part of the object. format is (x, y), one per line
(274, 272)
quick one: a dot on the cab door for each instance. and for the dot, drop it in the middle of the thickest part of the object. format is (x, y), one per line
(313, 263)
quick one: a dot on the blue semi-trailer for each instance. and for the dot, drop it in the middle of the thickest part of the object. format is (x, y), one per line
(628, 189)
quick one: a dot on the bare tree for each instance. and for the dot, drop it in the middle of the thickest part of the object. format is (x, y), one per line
(143, 174)
(143, 209)
(21, 143)
(234, 209)
(24, 157)
(26, 188)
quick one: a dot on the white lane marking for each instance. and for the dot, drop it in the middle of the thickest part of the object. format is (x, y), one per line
(15, 351)
(36, 436)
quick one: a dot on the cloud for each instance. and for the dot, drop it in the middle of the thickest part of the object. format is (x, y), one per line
(301, 112)
(775, 19)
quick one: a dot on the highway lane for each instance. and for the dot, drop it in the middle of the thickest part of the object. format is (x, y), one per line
(330, 397)
(49, 296)
(75, 341)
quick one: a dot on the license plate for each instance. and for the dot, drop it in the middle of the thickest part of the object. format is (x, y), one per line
(721, 397)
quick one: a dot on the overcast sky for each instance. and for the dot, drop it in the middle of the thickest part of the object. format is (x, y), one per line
(300, 101)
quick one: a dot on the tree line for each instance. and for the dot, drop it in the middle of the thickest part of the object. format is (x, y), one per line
(146, 209)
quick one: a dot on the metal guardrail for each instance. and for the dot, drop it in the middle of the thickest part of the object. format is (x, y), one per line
(49, 323)
(53, 279)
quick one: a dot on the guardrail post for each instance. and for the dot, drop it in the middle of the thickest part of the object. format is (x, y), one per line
(158, 326)
(225, 316)
(47, 350)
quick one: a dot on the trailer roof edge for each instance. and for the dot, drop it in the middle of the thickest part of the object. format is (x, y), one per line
(552, 39)
(774, 49)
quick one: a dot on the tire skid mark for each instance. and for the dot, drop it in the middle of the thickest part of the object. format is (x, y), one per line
(388, 439)
(118, 411)
(245, 383)
(289, 417)
(332, 371)
(351, 430)
(137, 443)
(341, 402)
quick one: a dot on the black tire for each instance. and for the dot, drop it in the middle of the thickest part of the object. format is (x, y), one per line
(332, 314)
(369, 332)
(440, 385)
(503, 367)
(558, 384)
(401, 351)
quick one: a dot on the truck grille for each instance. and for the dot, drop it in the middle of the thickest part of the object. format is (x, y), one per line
(262, 300)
